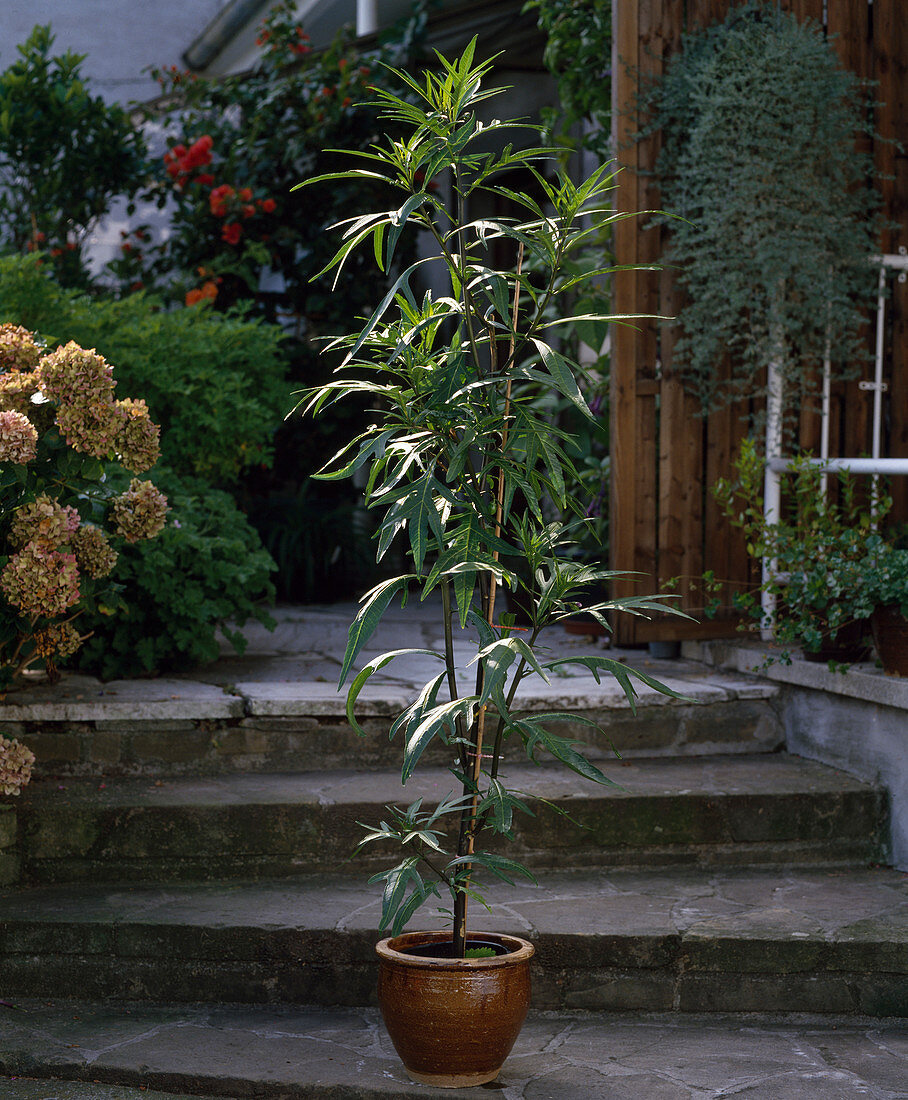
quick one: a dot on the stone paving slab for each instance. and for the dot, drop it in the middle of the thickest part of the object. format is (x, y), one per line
(735, 940)
(79, 698)
(318, 1054)
(30, 1088)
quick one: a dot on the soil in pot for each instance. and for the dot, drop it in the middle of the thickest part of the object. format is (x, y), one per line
(453, 1021)
(890, 635)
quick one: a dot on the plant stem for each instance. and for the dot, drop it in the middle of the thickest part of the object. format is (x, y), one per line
(469, 820)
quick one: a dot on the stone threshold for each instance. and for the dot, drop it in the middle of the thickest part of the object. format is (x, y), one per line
(80, 698)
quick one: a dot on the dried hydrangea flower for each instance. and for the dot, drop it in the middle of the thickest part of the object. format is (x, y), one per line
(94, 554)
(91, 429)
(57, 640)
(140, 512)
(81, 385)
(15, 765)
(43, 521)
(41, 581)
(18, 438)
(139, 441)
(16, 392)
(18, 351)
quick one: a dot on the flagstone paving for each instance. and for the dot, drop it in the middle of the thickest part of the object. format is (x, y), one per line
(665, 908)
(344, 1054)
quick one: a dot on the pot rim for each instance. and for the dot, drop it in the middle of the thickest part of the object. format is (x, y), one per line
(393, 950)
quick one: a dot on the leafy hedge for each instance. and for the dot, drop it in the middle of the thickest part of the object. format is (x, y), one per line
(213, 381)
(207, 566)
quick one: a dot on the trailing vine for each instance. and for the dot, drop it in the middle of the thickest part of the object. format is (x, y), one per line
(759, 159)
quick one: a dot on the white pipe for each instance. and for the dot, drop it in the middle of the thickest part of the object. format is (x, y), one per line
(892, 259)
(853, 465)
(878, 365)
(772, 489)
(366, 17)
(825, 413)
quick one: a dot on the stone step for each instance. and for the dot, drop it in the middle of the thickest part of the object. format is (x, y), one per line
(772, 810)
(318, 1054)
(683, 940)
(173, 727)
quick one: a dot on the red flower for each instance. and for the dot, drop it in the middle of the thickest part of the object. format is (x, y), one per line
(268, 206)
(232, 232)
(245, 194)
(217, 200)
(248, 210)
(204, 179)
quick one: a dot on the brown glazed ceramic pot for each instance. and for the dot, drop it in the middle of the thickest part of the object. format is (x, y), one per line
(890, 636)
(453, 1021)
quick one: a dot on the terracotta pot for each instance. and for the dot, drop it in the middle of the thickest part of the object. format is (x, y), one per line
(890, 635)
(588, 627)
(453, 1021)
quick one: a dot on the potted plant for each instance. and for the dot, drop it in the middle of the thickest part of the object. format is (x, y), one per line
(879, 586)
(462, 461)
(820, 549)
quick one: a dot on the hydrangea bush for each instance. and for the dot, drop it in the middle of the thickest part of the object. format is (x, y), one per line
(63, 433)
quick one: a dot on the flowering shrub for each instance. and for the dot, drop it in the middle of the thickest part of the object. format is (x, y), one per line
(60, 428)
(237, 147)
(15, 765)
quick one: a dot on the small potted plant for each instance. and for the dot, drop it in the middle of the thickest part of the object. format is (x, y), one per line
(462, 461)
(879, 589)
(819, 547)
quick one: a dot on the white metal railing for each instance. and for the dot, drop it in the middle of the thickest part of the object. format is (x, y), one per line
(776, 464)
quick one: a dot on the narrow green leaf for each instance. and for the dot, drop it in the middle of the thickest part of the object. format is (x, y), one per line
(369, 616)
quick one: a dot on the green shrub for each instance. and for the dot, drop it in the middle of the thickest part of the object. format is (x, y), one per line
(65, 155)
(208, 566)
(213, 381)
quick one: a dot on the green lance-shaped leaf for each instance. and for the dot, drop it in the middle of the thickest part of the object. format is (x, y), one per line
(419, 512)
(410, 718)
(622, 673)
(372, 667)
(369, 616)
(397, 881)
(497, 807)
(435, 723)
(371, 446)
(496, 658)
(562, 376)
(518, 647)
(500, 866)
(403, 280)
(562, 748)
